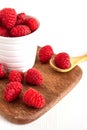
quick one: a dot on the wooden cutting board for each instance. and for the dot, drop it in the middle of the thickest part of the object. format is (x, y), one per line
(55, 86)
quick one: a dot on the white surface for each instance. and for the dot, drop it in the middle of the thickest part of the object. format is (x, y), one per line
(64, 26)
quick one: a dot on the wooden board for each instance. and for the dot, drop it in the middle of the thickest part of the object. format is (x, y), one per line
(55, 86)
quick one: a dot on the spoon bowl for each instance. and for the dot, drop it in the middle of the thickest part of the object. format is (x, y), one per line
(74, 61)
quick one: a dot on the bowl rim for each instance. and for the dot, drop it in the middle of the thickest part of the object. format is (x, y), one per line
(22, 37)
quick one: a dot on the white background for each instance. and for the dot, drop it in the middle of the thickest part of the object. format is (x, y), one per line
(63, 25)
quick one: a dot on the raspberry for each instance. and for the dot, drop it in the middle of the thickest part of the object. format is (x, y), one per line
(8, 17)
(0, 14)
(12, 91)
(20, 30)
(62, 60)
(20, 18)
(4, 32)
(3, 72)
(33, 98)
(15, 75)
(45, 53)
(34, 77)
(32, 23)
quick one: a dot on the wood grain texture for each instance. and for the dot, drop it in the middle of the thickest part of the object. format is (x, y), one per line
(55, 86)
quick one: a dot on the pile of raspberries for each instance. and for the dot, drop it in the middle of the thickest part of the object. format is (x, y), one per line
(16, 25)
(14, 87)
(31, 96)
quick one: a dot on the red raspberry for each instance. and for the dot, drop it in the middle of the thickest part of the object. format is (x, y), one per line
(3, 72)
(45, 53)
(0, 14)
(15, 75)
(62, 60)
(33, 98)
(20, 30)
(34, 77)
(4, 32)
(20, 18)
(32, 23)
(8, 17)
(12, 91)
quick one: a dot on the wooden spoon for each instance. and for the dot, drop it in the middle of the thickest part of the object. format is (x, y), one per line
(74, 61)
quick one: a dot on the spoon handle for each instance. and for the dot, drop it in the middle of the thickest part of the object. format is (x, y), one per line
(80, 59)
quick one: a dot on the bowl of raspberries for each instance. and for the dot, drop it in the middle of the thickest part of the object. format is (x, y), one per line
(18, 39)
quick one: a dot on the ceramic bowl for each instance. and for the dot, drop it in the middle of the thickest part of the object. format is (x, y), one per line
(18, 53)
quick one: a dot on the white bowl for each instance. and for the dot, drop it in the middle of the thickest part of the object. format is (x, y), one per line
(22, 69)
(12, 47)
(11, 59)
(17, 65)
(19, 50)
(16, 53)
